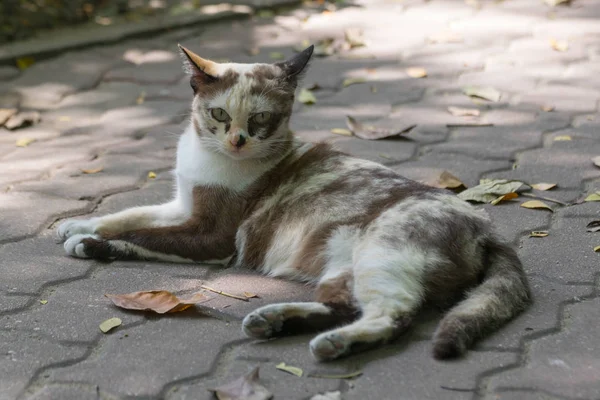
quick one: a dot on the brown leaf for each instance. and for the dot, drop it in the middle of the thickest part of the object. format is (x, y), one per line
(536, 204)
(416, 72)
(371, 132)
(250, 295)
(539, 234)
(246, 387)
(159, 301)
(593, 226)
(504, 197)
(543, 186)
(463, 112)
(448, 181)
(92, 170)
(547, 108)
(6, 113)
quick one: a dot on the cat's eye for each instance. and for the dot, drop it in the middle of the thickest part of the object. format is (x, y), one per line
(219, 114)
(261, 118)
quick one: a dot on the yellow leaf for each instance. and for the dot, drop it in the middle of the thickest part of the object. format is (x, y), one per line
(275, 55)
(306, 97)
(597, 249)
(484, 92)
(64, 118)
(563, 138)
(416, 72)
(463, 112)
(92, 171)
(24, 142)
(159, 301)
(543, 186)
(341, 131)
(593, 197)
(141, 98)
(539, 234)
(151, 175)
(559, 45)
(288, 368)
(504, 197)
(110, 324)
(536, 204)
(25, 62)
(353, 81)
(43, 301)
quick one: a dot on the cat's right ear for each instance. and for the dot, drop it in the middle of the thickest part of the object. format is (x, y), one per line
(202, 71)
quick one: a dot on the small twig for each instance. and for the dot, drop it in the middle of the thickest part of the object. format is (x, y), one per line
(543, 198)
(224, 293)
(456, 389)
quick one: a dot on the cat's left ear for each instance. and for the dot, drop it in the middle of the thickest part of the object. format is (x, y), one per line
(296, 66)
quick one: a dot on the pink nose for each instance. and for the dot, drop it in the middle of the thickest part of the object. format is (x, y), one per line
(238, 140)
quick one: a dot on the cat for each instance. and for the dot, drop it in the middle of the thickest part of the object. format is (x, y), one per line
(376, 245)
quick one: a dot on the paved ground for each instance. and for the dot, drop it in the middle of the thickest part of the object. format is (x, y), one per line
(121, 107)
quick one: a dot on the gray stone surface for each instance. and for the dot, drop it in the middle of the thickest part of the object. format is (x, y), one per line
(121, 105)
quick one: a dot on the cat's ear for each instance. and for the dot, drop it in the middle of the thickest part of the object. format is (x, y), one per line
(202, 71)
(296, 66)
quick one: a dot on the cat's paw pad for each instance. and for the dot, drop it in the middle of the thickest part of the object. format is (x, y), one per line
(329, 346)
(75, 246)
(75, 227)
(262, 324)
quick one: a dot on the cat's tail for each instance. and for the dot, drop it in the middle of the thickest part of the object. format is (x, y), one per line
(503, 294)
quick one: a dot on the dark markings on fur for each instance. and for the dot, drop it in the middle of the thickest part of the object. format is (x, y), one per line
(210, 88)
(316, 322)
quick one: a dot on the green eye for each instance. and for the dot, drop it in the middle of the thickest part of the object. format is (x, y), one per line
(262, 118)
(219, 114)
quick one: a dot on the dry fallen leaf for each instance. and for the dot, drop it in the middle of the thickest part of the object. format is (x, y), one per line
(593, 226)
(448, 181)
(464, 112)
(483, 92)
(348, 375)
(593, 197)
(337, 395)
(250, 295)
(24, 62)
(354, 37)
(24, 142)
(246, 387)
(151, 175)
(559, 45)
(547, 108)
(306, 97)
(416, 72)
(22, 119)
(141, 98)
(371, 132)
(488, 190)
(563, 138)
(159, 301)
(6, 113)
(110, 324)
(504, 197)
(92, 170)
(539, 234)
(596, 161)
(597, 249)
(289, 369)
(543, 186)
(341, 131)
(536, 204)
(43, 301)
(353, 81)
(553, 3)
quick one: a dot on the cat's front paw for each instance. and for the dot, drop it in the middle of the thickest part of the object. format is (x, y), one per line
(76, 227)
(262, 323)
(76, 245)
(329, 346)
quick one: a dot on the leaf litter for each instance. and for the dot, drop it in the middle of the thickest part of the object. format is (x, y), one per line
(593, 226)
(91, 171)
(110, 324)
(593, 197)
(504, 197)
(246, 387)
(490, 189)
(159, 301)
(290, 369)
(536, 204)
(539, 234)
(416, 72)
(222, 293)
(306, 97)
(543, 186)
(371, 132)
(448, 181)
(483, 92)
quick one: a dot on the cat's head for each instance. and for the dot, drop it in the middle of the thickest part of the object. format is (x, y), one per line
(243, 110)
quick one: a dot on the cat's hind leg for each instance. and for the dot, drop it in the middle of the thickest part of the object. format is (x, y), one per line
(388, 289)
(334, 306)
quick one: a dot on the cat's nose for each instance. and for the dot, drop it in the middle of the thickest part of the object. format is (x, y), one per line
(238, 140)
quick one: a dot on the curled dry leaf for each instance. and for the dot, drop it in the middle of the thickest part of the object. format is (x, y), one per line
(553, 3)
(536, 204)
(559, 45)
(306, 97)
(159, 301)
(289, 369)
(22, 119)
(504, 197)
(250, 295)
(597, 249)
(547, 108)
(24, 142)
(341, 131)
(543, 186)
(6, 113)
(354, 37)
(562, 138)
(539, 234)
(593, 197)
(151, 175)
(448, 181)
(353, 81)
(416, 72)
(593, 226)
(464, 112)
(483, 92)
(109, 324)
(489, 190)
(92, 170)
(371, 132)
(246, 387)
(337, 395)
(596, 161)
